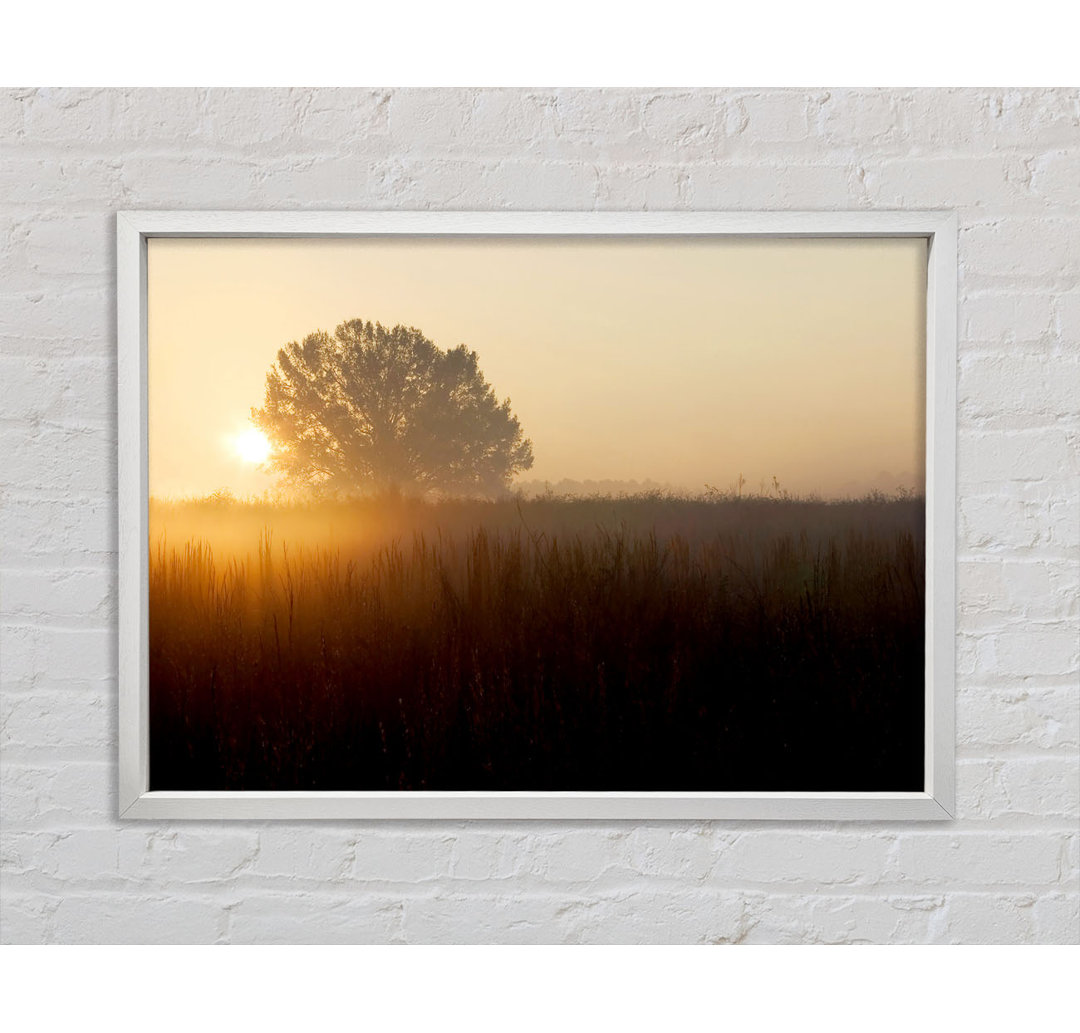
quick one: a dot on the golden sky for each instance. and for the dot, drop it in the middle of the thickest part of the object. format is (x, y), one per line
(685, 362)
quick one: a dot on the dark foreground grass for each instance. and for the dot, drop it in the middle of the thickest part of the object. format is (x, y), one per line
(648, 643)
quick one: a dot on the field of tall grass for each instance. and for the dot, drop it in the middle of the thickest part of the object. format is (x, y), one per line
(634, 643)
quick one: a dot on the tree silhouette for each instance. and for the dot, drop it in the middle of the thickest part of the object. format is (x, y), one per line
(373, 409)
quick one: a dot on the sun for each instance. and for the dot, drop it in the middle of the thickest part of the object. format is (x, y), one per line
(252, 446)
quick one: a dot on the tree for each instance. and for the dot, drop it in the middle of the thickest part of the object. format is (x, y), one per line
(374, 409)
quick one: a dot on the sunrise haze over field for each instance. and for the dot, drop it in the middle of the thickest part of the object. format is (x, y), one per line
(684, 362)
(723, 588)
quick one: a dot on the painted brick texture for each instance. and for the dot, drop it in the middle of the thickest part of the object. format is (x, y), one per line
(1007, 870)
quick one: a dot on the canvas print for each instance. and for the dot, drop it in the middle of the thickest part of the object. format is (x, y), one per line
(505, 514)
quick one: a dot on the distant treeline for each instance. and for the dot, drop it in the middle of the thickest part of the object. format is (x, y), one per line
(883, 485)
(567, 487)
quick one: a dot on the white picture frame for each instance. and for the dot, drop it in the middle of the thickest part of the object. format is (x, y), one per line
(937, 799)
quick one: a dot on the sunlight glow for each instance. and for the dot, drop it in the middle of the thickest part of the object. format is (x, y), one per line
(252, 446)
(715, 376)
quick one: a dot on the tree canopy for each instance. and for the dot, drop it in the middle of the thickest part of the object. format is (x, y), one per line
(371, 408)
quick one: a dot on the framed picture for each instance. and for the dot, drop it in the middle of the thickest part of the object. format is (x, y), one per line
(536, 515)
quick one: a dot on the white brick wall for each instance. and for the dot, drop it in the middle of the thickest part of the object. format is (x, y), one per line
(1007, 870)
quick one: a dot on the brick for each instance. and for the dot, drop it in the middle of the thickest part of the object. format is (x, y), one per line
(1027, 516)
(591, 125)
(1042, 717)
(64, 390)
(53, 795)
(690, 854)
(58, 654)
(1048, 788)
(316, 918)
(1066, 307)
(578, 855)
(993, 592)
(820, 919)
(993, 119)
(243, 118)
(692, 125)
(28, 917)
(511, 917)
(284, 856)
(68, 117)
(657, 188)
(1052, 652)
(60, 531)
(1003, 457)
(516, 184)
(1022, 250)
(357, 119)
(977, 859)
(1044, 383)
(783, 185)
(68, 855)
(29, 180)
(532, 124)
(794, 857)
(497, 854)
(1057, 918)
(77, 723)
(985, 918)
(780, 116)
(316, 181)
(200, 180)
(646, 915)
(81, 315)
(431, 118)
(1005, 317)
(1054, 176)
(860, 119)
(160, 117)
(1020, 787)
(918, 182)
(80, 244)
(185, 856)
(12, 111)
(410, 857)
(59, 593)
(75, 460)
(131, 918)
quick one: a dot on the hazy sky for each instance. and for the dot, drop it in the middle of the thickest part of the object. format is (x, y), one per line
(687, 362)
